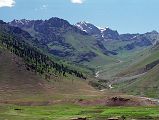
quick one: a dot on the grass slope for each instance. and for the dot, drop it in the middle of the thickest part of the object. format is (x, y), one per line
(147, 84)
(19, 84)
(84, 44)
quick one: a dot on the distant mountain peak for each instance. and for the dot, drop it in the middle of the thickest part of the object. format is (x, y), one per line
(83, 22)
(99, 32)
(57, 22)
(2, 22)
(55, 19)
(87, 27)
(22, 21)
(153, 32)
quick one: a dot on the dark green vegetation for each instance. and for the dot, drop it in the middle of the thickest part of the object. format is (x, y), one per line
(68, 111)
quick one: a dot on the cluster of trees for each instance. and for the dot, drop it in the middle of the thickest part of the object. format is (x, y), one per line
(36, 60)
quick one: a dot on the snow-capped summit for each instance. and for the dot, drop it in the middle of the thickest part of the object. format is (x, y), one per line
(22, 21)
(104, 33)
(103, 29)
(87, 27)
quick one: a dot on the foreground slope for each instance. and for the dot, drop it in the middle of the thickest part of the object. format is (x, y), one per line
(19, 84)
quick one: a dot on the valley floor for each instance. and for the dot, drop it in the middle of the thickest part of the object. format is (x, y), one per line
(70, 111)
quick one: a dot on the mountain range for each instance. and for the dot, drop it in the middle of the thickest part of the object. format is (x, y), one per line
(55, 48)
(82, 42)
(62, 39)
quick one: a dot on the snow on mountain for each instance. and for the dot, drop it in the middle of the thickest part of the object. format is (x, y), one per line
(87, 27)
(103, 33)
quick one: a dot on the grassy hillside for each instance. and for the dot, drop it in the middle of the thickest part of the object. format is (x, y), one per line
(27, 73)
(19, 84)
(146, 84)
(86, 45)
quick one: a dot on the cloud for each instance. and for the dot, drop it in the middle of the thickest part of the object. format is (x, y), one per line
(77, 1)
(43, 7)
(7, 3)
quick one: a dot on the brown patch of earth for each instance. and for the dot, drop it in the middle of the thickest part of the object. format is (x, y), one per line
(117, 101)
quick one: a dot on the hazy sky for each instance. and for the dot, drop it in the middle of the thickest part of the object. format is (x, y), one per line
(123, 15)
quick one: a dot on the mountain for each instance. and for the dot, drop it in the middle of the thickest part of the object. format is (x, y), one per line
(19, 43)
(129, 41)
(110, 34)
(63, 40)
(88, 28)
(102, 33)
(55, 29)
(140, 40)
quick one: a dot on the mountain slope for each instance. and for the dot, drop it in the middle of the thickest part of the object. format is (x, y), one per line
(147, 82)
(14, 40)
(18, 85)
(28, 75)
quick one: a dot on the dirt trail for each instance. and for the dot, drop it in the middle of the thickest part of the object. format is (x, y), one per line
(123, 79)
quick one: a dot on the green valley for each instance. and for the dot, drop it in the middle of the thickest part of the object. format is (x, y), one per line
(53, 70)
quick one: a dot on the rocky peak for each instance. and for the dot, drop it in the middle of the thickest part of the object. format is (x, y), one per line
(22, 23)
(103, 33)
(107, 33)
(88, 28)
(2, 22)
(152, 32)
(57, 22)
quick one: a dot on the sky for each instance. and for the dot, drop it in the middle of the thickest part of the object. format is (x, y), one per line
(125, 16)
